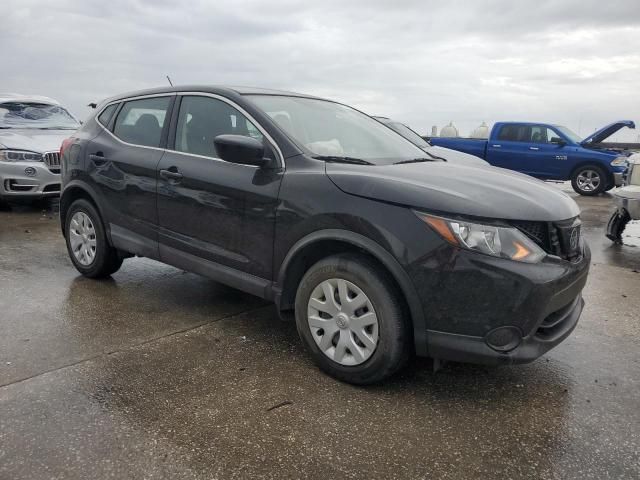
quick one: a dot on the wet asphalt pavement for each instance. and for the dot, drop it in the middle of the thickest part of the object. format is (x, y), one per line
(158, 373)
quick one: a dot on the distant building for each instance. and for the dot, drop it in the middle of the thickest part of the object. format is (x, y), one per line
(481, 132)
(434, 131)
(449, 131)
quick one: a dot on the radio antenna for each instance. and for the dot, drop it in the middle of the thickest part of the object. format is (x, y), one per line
(170, 82)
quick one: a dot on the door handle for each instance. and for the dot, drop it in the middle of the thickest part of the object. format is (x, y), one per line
(534, 148)
(496, 146)
(171, 174)
(98, 159)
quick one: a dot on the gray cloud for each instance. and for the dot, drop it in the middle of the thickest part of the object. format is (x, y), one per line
(423, 62)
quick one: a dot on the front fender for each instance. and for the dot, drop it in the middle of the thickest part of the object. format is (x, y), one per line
(384, 257)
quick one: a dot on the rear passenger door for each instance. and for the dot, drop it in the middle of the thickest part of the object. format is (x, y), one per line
(213, 213)
(122, 163)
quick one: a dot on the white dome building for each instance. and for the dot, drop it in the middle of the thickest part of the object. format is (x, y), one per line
(449, 131)
(481, 132)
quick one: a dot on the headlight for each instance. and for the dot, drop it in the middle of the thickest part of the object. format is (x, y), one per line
(503, 242)
(619, 162)
(19, 156)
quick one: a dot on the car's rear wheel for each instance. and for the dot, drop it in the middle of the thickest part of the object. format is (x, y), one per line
(589, 180)
(87, 242)
(350, 317)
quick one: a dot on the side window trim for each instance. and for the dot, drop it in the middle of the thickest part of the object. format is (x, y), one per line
(174, 122)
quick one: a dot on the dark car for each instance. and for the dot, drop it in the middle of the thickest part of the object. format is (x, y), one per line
(446, 154)
(380, 250)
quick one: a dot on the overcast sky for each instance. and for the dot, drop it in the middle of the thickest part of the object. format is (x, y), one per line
(574, 62)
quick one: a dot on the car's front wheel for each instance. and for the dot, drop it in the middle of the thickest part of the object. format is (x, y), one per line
(350, 317)
(87, 242)
(589, 180)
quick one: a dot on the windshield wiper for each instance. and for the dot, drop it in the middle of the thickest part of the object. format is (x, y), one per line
(56, 128)
(414, 160)
(338, 159)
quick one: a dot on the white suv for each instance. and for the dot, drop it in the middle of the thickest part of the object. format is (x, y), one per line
(31, 131)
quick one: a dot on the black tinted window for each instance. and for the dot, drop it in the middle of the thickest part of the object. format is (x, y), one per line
(202, 119)
(106, 114)
(515, 133)
(140, 121)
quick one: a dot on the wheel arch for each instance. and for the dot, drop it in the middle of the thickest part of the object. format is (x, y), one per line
(73, 191)
(588, 163)
(321, 244)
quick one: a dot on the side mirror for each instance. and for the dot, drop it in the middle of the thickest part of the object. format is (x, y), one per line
(240, 149)
(558, 141)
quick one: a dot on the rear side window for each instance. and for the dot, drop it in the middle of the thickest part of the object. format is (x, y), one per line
(105, 117)
(202, 119)
(515, 133)
(140, 121)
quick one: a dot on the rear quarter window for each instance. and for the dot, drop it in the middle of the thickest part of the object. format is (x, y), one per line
(105, 117)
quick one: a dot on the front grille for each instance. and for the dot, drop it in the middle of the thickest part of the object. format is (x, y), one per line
(538, 231)
(52, 161)
(562, 239)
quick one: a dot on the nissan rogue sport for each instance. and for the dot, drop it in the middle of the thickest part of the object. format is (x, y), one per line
(380, 250)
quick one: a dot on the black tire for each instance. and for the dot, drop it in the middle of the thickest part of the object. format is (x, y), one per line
(107, 259)
(394, 338)
(602, 184)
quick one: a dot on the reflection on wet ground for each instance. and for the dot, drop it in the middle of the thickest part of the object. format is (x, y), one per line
(158, 373)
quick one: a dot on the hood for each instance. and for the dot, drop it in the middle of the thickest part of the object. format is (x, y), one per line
(452, 189)
(455, 157)
(605, 132)
(32, 139)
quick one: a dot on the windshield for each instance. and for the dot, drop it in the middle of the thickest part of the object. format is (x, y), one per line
(407, 133)
(328, 129)
(569, 134)
(36, 115)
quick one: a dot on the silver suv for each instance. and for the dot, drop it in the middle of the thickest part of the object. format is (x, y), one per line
(31, 131)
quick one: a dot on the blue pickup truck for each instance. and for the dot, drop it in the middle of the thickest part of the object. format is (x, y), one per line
(550, 152)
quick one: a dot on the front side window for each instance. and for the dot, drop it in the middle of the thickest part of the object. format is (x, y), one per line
(36, 115)
(201, 119)
(140, 121)
(329, 129)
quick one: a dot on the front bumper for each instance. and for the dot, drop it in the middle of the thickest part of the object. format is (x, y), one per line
(494, 311)
(28, 180)
(618, 178)
(628, 198)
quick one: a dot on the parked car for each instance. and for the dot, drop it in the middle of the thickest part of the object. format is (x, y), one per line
(379, 250)
(445, 154)
(31, 130)
(550, 152)
(627, 201)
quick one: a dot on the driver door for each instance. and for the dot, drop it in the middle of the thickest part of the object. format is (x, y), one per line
(214, 213)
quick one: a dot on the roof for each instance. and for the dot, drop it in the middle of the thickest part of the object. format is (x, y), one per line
(18, 97)
(217, 89)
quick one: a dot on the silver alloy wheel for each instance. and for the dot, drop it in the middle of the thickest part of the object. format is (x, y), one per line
(82, 238)
(588, 180)
(343, 322)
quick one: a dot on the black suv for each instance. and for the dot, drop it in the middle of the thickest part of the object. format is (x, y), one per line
(381, 251)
